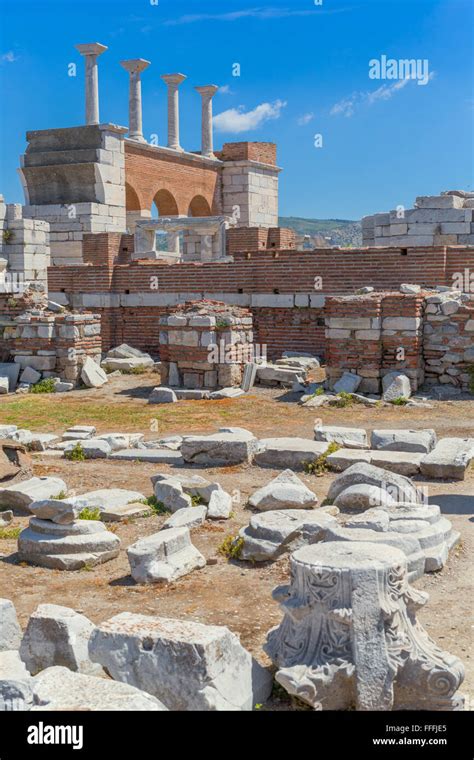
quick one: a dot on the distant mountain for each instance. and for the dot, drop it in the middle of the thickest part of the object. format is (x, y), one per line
(326, 232)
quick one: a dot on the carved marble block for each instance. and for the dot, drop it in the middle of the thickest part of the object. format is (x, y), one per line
(349, 638)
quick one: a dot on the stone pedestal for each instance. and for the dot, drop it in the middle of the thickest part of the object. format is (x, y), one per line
(349, 638)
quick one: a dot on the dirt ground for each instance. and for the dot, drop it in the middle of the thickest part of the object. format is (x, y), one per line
(235, 594)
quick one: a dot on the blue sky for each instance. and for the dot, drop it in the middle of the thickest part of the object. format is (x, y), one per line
(304, 71)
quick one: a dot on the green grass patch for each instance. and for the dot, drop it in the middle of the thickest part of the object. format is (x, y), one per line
(44, 386)
(9, 533)
(140, 370)
(400, 401)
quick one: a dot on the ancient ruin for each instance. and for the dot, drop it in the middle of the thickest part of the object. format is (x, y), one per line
(180, 335)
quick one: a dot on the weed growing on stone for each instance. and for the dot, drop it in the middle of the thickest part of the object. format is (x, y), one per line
(196, 500)
(89, 513)
(61, 495)
(44, 386)
(470, 372)
(157, 507)
(400, 401)
(320, 466)
(140, 370)
(76, 454)
(344, 399)
(231, 547)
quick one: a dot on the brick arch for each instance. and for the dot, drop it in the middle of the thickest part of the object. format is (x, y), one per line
(199, 206)
(149, 169)
(132, 201)
(165, 202)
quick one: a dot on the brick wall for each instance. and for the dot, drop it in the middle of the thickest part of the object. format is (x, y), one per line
(130, 308)
(240, 239)
(107, 248)
(265, 153)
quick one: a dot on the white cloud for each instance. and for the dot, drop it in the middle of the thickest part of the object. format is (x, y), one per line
(238, 120)
(225, 90)
(258, 13)
(348, 106)
(9, 57)
(305, 119)
(345, 107)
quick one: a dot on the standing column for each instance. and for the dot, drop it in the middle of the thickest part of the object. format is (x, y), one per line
(135, 66)
(173, 81)
(91, 52)
(207, 93)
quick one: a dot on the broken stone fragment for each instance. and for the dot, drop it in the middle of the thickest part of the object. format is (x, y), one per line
(187, 665)
(58, 636)
(164, 557)
(286, 491)
(58, 688)
(10, 631)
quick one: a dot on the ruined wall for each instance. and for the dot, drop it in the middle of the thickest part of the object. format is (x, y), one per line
(278, 286)
(446, 219)
(428, 337)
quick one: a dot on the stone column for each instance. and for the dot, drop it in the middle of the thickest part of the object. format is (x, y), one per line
(173, 242)
(135, 66)
(173, 81)
(207, 93)
(91, 52)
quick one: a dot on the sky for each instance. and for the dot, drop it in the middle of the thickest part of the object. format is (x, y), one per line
(349, 143)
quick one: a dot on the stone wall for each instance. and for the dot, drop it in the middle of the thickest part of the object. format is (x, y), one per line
(205, 345)
(24, 247)
(449, 339)
(446, 219)
(56, 345)
(428, 337)
(74, 179)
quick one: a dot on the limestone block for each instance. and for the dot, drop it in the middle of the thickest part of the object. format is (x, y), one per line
(220, 505)
(366, 655)
(171, 494)
(15, 683)
(92, 448)
(400, 488)
(30, 375)
(286, 491)
(192, 667)
(401, 323)
(11, 371)
(107, 500)
(84, 543)
(350, 438)
(21, 495)
(288, 453)
(92, 374)
(128, 364)
(58, 511)
(403, 462)
(58, 636)
(160, 395)
(78, 432)
(363, 496)
(271, 534)
(58, 689)
(164, 557)
(440, 202)
(188, 517)
(449, 459)
(396, 385)
(348, 383)
(404, 440)
(220, 449)
(10, 631)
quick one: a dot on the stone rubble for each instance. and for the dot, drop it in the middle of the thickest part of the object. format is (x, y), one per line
(10, 631)
(286, 491)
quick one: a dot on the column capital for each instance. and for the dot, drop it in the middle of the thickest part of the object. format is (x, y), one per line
(135, 65)
(173, 79)
(91, 48)
(208, 89)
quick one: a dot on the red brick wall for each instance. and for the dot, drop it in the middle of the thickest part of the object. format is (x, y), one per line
(263, 152)
(148, 171)
(106, 248)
